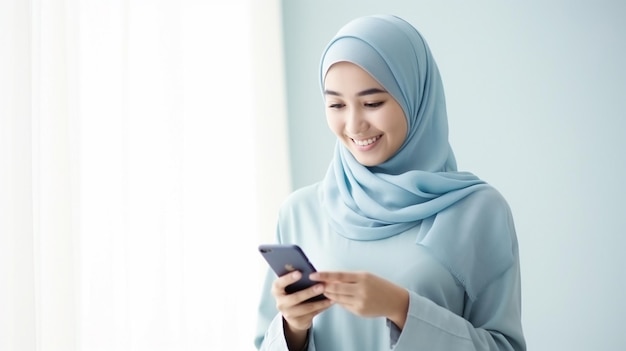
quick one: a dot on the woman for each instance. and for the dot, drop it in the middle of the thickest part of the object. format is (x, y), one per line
(411, 253)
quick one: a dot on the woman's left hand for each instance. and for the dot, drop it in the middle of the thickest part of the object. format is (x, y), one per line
(366, 294)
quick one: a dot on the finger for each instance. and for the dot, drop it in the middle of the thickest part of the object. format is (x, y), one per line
(283, 281)
(343, 300)
(307, 309)
(305, 294)
(335, 288)
(296, 298)
(346, 277)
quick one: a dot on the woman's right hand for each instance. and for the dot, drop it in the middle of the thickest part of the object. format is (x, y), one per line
(298, 316)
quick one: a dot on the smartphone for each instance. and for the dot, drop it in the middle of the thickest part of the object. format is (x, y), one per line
(284, 258)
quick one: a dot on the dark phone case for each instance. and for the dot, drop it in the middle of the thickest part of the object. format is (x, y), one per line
(286, 258)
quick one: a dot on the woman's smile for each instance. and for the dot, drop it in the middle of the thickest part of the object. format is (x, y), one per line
(366, 144)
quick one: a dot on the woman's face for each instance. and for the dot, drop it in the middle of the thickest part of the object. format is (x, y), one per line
(365, 117)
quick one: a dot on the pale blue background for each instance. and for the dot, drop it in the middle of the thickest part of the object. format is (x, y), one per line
(536, 95)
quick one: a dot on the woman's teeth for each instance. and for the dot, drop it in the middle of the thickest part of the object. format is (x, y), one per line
(366, 141)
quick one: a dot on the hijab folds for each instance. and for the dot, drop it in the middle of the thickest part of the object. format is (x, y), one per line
(420, 183)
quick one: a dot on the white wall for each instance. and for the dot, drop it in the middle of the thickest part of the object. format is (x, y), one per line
(537, 107)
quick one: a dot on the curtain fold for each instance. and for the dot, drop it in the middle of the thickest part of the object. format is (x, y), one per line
(143, 157)
(17, 284)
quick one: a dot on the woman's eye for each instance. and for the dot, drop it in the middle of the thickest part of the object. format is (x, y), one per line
(374, 104)
(335, 106)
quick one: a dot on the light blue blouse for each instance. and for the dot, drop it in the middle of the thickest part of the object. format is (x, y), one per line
(442, 315)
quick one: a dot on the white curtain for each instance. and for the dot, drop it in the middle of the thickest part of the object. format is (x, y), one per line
(142, 159)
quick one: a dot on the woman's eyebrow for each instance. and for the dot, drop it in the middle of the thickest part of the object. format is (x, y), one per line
(370, 92)
(361, 93)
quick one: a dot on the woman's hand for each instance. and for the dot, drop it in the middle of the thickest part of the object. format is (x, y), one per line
(366, 294)
(297, 316)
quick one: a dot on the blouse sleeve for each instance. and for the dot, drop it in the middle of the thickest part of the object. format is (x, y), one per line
(270, 335)
(269, 332)
(491, 322)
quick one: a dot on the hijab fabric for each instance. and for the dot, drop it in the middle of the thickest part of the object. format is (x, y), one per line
(464, 222)
(421, 179)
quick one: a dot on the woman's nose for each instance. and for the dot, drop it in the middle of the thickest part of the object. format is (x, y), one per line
(355, 122)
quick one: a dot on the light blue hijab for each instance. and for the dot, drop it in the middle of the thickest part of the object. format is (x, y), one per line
(464, 222)
(420, 180)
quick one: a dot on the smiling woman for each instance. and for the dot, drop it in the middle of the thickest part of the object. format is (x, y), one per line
(131, 164)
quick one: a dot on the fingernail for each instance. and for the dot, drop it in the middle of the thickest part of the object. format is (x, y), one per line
(295, 275)
(313, 276)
